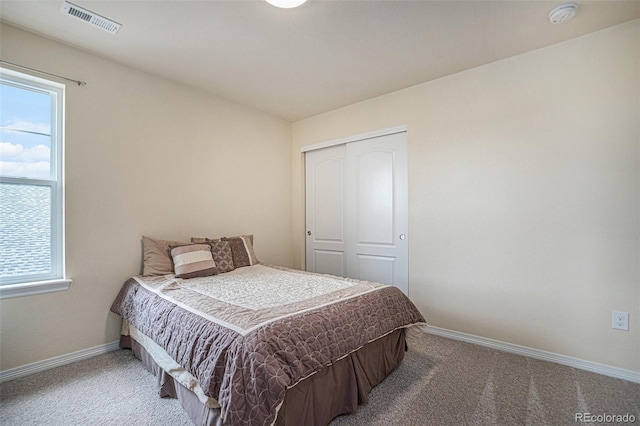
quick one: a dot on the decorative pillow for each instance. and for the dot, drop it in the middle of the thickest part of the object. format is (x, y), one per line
(156, 257)
(222, 255)
(242, 250)
(200, 240)
(194, 260)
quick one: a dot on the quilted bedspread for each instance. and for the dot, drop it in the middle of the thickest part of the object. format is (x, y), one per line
(249, 334)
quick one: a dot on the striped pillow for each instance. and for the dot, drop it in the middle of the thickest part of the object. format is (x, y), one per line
(194, 260)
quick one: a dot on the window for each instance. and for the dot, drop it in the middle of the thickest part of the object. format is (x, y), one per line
(31, 185)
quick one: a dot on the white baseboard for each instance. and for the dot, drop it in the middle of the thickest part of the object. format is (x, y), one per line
(36, 367)
(594, 367)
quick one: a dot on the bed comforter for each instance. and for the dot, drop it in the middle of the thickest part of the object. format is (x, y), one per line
(250, 334)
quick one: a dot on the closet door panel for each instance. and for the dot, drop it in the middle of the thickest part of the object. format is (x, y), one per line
(377, 214)
(325, 211)
(330, 262)
(376, 268)
(374, 197)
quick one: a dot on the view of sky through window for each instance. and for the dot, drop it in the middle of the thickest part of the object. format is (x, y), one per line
(25, 141)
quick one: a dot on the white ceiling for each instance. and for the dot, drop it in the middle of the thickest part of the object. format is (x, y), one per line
(296, 63)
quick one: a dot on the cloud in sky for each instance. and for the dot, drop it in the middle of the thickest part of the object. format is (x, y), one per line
(18, 161)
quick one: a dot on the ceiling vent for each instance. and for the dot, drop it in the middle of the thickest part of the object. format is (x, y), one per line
(90, 17)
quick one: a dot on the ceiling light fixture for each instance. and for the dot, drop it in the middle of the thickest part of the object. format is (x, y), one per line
(563, 13)
(286, 4)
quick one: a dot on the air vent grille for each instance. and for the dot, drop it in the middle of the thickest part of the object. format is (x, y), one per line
(90, 17)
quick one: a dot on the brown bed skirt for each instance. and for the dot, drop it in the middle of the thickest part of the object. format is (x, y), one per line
(316, 400)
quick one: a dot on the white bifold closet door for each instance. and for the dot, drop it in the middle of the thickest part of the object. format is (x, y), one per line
(357, 210)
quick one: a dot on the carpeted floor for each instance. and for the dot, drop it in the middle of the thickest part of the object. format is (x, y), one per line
(447, 382)
(440, 382)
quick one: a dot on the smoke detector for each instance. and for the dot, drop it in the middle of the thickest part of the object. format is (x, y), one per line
(563, 13)
(90, 17)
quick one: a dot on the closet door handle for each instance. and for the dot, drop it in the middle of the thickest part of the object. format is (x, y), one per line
(402, 236)
(309, 233)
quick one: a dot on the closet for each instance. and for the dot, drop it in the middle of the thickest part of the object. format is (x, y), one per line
(357, 208)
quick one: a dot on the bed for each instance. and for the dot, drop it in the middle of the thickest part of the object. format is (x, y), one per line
(260, 344)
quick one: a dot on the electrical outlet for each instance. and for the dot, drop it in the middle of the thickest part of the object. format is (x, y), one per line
(620, 320)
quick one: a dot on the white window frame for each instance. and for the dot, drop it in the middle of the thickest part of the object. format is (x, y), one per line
(56, 280)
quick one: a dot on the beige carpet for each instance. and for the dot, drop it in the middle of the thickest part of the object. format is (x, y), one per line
(446, 382)
(441, 382)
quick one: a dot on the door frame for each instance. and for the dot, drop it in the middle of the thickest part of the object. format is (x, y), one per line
(355, 138)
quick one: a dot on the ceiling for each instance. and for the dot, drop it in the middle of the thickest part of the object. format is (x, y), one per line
(296, 63)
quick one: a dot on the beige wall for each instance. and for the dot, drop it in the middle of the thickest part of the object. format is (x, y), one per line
(143, 156)
(524, 189)
(524, 209)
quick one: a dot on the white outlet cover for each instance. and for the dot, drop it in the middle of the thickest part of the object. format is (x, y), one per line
(620, 320)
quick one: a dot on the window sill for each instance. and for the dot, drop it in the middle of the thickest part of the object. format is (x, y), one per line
(38, 287)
